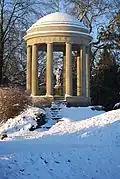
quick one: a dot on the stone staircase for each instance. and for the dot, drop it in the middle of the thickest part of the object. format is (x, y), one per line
(55, 108)
(53, 114)
(58, 98)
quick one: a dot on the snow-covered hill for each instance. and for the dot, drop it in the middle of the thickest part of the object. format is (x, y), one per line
(74, 147)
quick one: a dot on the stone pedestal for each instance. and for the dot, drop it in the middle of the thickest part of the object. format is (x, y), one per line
(58, 90)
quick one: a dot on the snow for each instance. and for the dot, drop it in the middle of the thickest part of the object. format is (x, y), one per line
(58, 18)
(79, 113)
(22, 122)
(116, 106)
(20, 125)
(83, 144)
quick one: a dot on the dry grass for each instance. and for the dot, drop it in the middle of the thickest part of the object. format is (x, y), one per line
(12, 102)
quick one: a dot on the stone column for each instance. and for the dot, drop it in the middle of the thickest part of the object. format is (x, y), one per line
(69, 69)
(87, 73)
(64, 72)
(29, 71)
(79, 75)
(34, 70)
(83, 74)
(49, 70)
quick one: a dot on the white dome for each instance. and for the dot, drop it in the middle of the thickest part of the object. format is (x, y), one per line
(58, 24)
(58, 18)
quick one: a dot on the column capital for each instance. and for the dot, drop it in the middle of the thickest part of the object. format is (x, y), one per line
(35, 45)
(29, 46)
(49, 43)
(68, 42)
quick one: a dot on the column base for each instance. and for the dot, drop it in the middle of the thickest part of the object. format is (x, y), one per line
(71, 101)
(67, 95)
(42, 101)
(48, 96)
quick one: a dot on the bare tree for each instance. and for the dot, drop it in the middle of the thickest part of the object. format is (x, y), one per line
(15, 17)
(96, 15)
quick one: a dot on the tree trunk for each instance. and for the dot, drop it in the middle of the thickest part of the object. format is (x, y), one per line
(1, 40)
(1, 62)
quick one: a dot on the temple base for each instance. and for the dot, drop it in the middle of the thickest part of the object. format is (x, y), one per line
(42, 101)
(78, 101)
(71, 101)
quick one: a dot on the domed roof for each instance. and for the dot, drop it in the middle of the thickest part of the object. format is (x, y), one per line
(57, 24)
(58, 18)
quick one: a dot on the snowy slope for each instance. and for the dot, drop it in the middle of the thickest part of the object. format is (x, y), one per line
(78, 163)
(85, 149)
(22, 122)
(20, 125)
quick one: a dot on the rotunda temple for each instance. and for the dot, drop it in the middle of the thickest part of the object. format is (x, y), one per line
(59, 32)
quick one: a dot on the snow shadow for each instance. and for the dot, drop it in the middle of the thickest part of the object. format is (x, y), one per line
(89, 153)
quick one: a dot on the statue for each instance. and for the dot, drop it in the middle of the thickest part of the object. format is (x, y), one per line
(58, 77)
